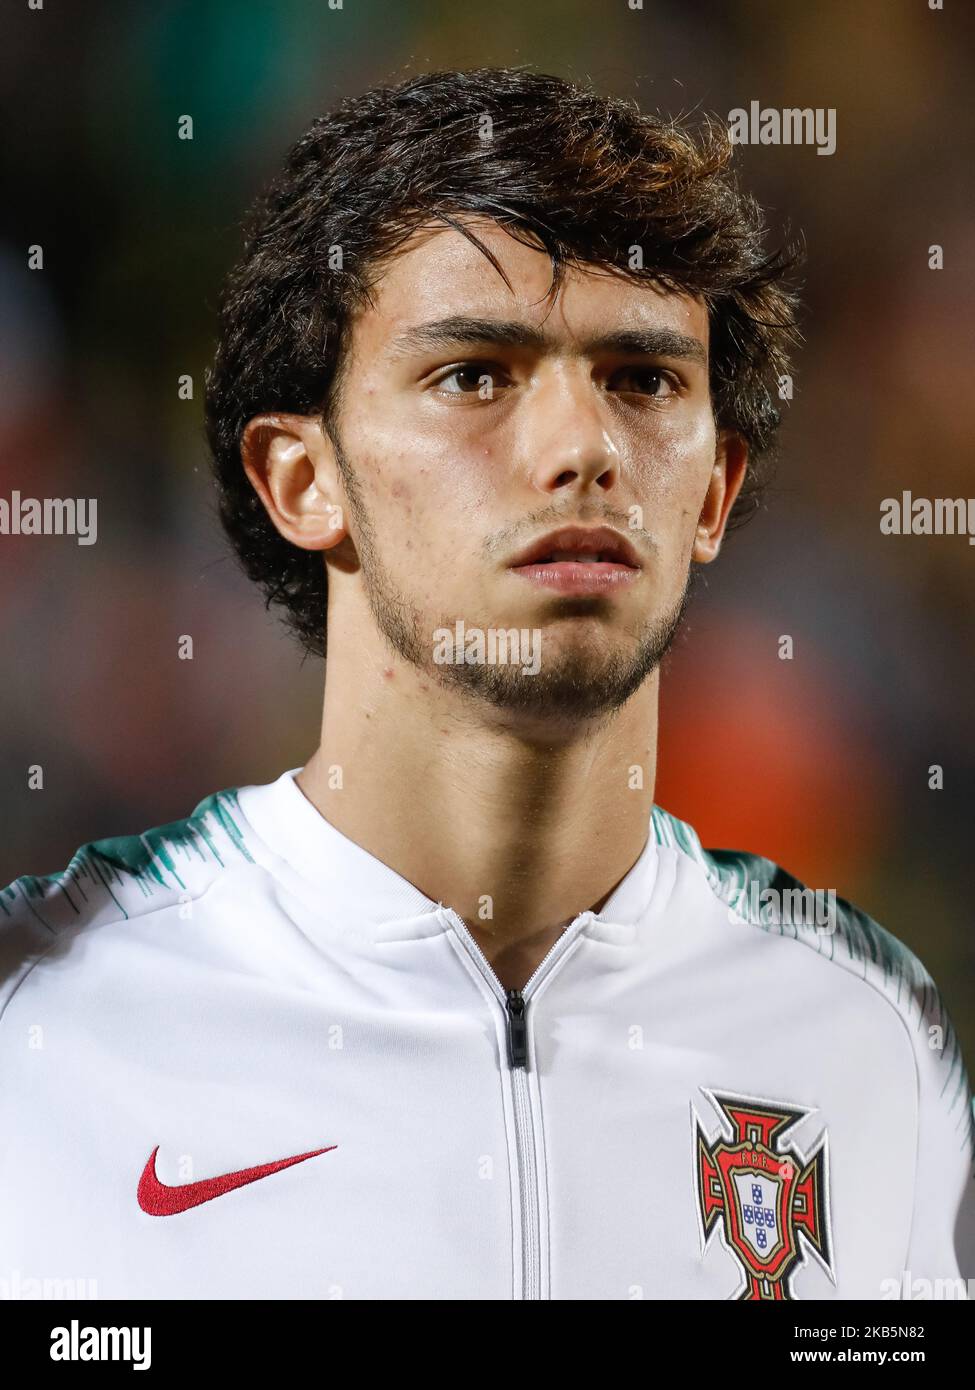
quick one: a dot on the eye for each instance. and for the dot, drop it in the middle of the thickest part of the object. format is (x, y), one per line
(646, 381)
(472, 379)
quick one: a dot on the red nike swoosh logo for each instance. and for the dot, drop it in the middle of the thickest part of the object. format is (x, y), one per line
(159, 1199)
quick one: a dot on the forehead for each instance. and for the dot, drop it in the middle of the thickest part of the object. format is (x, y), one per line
(438, 273)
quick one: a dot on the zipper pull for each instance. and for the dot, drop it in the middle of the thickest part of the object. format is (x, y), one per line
(517, 1030)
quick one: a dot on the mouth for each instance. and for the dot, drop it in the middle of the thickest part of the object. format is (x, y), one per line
(578, 559)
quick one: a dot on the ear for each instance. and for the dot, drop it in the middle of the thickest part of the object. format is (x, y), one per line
(291, 464)
(727, 476)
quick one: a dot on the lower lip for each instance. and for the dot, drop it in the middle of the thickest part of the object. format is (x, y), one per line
(578, 576)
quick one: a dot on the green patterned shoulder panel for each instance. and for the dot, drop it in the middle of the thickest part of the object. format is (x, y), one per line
(758, 891)
(123, 876)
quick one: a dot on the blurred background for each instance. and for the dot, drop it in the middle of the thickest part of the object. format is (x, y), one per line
(820, 763)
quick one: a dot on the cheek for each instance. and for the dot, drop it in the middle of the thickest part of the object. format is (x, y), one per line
(670, 476)
(422, 501)
(423, 473)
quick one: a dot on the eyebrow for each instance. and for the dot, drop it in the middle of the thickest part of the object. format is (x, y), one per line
(461, 331)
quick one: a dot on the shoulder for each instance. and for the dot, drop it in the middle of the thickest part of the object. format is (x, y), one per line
(117, 879)
(757, 891)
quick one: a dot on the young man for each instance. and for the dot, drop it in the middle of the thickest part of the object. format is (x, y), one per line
(454, 1011)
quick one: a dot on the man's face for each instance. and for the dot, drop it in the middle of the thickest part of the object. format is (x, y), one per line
(464, 443)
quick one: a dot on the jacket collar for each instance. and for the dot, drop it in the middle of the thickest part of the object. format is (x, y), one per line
(356, 886)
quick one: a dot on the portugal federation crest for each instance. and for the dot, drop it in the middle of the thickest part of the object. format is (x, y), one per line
(769, 1200)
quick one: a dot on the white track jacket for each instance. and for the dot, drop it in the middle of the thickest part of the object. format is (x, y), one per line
(241, 1057)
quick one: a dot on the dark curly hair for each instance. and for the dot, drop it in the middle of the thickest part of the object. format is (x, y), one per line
(586, 177)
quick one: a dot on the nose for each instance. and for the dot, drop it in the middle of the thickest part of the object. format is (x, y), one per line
(566, 437)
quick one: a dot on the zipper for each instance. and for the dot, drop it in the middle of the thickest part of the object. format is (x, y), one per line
(542, 968)
(517, 1029)
(515, 1005)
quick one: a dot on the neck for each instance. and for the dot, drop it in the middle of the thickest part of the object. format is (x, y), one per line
(518, 830)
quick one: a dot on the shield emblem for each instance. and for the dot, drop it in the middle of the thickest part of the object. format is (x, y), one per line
(757, 1200)
(763, 1195)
